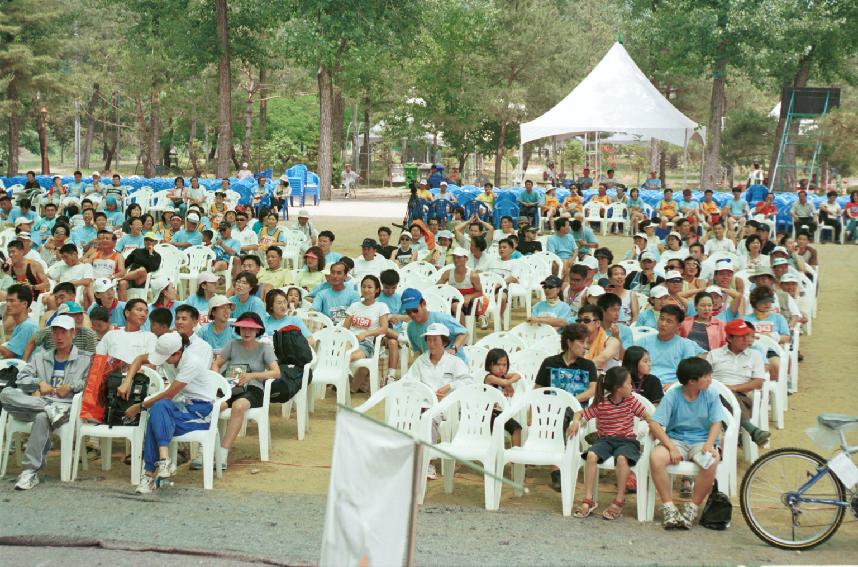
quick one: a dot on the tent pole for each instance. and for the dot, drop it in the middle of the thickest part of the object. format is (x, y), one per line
(521, 164)
(685, 162)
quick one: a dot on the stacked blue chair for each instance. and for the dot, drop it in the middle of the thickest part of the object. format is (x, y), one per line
(505, 209)
(442, 210)
(311, 188)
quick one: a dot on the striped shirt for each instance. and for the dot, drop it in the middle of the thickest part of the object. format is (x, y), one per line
(615, 420)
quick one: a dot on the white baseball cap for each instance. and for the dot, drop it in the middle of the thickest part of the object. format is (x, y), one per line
(219, 301)
(444, 234)
(658, 292)
(672, 275)
(779, 249)
(159, 284)
(22, 220)
(166, 346)
(303, 214)
(193, 217)
(588, 261)
(789, 277)
(724, 264)
(460, 252)
(676, 234)
(63, 322)
(100, 285)
(641, 235)
(647, 255)
(714, 289)
(595, 290)
(95, 174)
(444, 183)
(23, 235)
(207, 277)
(437, 330)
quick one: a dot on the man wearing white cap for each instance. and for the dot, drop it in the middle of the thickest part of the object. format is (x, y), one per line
(190, 234)
(306, 227)
(657, 299)
(184, 406)
(43, 395)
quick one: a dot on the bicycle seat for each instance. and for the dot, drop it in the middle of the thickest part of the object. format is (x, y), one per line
(836, 421)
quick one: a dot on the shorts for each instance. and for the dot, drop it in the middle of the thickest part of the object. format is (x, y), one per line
(252, 394)
(772, 354)
(511, 425)
(607, 447)
(367, 346)
(688, 450)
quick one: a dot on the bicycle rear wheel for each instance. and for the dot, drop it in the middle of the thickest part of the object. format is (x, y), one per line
(763, 498)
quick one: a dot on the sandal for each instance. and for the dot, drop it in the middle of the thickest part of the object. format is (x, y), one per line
(581, 512)
(615, 510)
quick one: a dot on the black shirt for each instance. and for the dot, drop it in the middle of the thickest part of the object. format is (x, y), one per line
(650, 388)
(140, 258)
(637, 281)
(529, 247)
(385, 251)
(767, 247)
(575, 378)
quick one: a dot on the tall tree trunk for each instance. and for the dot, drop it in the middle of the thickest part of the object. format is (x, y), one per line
(104, 129)
(263, 104)
(42, 132)
(326, 111)
(337, 114)
(224, 133)
(365, 149)
(114, 138)
(788, 181)
(14, 132)
(152, 138)
(192, 141)
(499, 152)
(662, 167)
(248, 122)
(462, 159)
(144, 135)
(167, 146)
(710, 176)
(90, 127)
(528, 153)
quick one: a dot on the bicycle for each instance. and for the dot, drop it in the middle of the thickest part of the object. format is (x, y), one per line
(795, 499)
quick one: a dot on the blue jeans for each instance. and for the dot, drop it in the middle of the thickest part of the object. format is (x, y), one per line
(168, 419)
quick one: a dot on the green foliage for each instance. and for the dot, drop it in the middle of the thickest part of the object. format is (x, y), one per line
(748, 136)
(840, 139)
(295, 118)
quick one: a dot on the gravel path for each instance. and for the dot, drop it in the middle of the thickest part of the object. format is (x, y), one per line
(288, 529)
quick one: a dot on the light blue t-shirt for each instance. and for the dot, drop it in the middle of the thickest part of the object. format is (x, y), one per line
(117, 315)
(334, 303)
(272, 325)
(627, 338)
(737, 208)
(666, 355)
(528, 198)
(129, 241)
(43, 228)
(220, 253)
(586, 234)
(253, 303)
(647, 318)
(394, 305)
(774, 324)
(195, 238)
(200, 303)
(15, 214)
(561, 310)
(216, 340)
(688, 205)
(418, 341)
(332, 257)
(563, 246)
(17, 343)
(115, 218)
(83, 235)
(688, 421)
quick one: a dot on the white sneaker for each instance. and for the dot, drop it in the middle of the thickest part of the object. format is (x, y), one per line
(484, 321)
(165, 469)
(58, 414)
(391, 377)
(146, 486)
(224, 455)
(431, 473)
(27, 480)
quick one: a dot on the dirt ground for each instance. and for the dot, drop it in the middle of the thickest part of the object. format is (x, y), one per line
(453, 529)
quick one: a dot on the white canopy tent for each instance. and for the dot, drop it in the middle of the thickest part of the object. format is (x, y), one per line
(615, 97)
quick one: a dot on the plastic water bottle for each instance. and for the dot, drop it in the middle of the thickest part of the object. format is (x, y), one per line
(164, 483)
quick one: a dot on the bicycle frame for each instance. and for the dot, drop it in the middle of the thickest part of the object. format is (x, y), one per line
(798, 496)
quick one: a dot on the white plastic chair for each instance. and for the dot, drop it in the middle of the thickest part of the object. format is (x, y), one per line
(502, 339)
(314, 320)
(172, 261)
(200, 259)
(476, 356)
(792, 384)
(619, 216)
(334, 347)
(546, 442)
(418, 274)
(10, 427)
(777, 389)
(106, 434)
(260, 416)
(726, 472)
(538, 336)
(300, 401)
(472, 440)
(593, 213)
(371, 364)
(630, 265)
(209, 439)
(493, 285)
(641, 468)
(640, 332)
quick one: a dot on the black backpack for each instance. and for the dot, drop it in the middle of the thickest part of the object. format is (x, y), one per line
(293, 353)
(8, 378)
(718, 510)
(116, 406)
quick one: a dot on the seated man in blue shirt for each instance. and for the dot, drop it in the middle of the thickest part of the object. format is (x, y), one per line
(666, 348)
(18, 300)
(583, 234)
(189, 235)
(691, 417)
(528, 202)
(334, 300)
(562, 243)
(553, 311)
(420, 319)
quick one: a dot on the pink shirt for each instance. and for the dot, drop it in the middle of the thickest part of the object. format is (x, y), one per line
(715, 331)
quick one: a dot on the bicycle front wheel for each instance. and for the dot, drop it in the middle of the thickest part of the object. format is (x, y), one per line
(765, 499)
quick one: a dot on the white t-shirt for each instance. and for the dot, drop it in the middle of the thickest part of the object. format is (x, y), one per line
(367, 317)
(62, 272)
(246, 237)
(735, 369)
(363, 267)
(449, 370)
(484, 264)
(714, 245)
(126, 346)
(506, 268)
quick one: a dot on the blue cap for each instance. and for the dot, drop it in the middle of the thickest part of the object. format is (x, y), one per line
(411, 298)
(111, 200)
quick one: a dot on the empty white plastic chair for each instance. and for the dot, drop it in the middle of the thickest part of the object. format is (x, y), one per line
(619, 216)
(546, 443)
(778, 389)
(538, 336)
(502, 339)
(593, 213)
(334, 347)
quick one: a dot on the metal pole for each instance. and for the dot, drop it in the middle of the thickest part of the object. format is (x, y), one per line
(685, 162)
(416, 483)
(77, 134)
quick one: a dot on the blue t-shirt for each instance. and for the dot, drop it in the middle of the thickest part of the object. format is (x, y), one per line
(528, 198)
(586, 234)
(774, 324)
(117, 315)
(688, 205)
(563, 246)
(737, 207)
(115, 218)
(195, 238)
(272, 325)
(43, 228)
(418, 341)
(689, 421)
(58, 374)
(220, 253)
(627, 338)
(130, 242)
(253, 303)
(334, 303)
(725, 315)
(647, 318)
(83, 235)
(199, 302)
(332, 257)
(17, 343)
(216, 340)
(561, 310)
(666, 355)
(394, 305)
(15, 214)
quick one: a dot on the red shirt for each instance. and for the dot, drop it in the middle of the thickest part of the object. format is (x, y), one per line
(615, 420)
(763, 208)
(851, 209)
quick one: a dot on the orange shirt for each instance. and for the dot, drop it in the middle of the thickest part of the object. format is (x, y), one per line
(667, 209)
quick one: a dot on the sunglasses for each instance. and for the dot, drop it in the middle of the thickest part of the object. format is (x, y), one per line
(675, 280)
(411, 311)
(587, 321)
